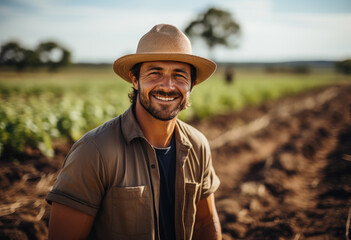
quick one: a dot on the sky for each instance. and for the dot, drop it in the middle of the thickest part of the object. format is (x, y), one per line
(100, 31)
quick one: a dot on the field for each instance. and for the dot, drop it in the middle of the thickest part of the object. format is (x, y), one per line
(280, 144)
(39, 108)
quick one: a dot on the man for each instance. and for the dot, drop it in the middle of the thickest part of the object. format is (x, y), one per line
(144, 174)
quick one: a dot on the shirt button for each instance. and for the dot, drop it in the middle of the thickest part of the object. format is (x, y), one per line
(153, 165)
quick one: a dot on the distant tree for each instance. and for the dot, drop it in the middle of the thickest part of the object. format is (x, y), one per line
(12, 54)
(53, 55)
(215, 27)
(343, 67)
(31, 58)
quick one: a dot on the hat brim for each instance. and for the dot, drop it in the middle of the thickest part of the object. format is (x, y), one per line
(204, 67)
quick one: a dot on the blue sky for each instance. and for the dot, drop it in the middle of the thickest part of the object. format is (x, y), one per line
(101, 31)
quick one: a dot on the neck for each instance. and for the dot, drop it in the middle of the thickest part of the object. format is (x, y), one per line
(157, 132)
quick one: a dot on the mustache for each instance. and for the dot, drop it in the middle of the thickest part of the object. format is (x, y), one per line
(166, 94)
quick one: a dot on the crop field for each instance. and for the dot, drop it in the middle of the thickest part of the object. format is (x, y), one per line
(37, 108)
(284, 162)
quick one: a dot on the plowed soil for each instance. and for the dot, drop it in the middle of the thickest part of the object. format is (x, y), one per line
(285, 170)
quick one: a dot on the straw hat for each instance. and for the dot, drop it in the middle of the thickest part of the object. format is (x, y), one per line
(164, 43)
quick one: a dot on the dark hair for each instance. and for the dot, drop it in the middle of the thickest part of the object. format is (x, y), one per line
(135, 70)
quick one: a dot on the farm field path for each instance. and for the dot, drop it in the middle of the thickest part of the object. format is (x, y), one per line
(285, 170)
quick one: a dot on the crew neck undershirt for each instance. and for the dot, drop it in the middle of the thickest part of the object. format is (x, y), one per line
(166, 158)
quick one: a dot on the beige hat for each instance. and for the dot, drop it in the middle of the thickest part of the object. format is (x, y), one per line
(164, 43)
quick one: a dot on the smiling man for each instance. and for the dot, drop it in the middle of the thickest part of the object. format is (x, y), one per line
(169, 85)
(144, 174)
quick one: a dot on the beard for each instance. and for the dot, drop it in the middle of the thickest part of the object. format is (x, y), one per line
(159, 111)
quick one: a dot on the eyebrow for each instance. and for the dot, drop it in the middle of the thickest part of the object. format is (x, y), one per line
(179, 70)
(150, 68)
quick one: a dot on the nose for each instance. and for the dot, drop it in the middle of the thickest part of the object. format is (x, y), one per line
(167, 83)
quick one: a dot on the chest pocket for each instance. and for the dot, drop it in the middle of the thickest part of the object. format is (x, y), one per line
(191, 199)
(132, 212)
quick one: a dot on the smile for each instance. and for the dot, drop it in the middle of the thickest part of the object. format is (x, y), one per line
(165, 98)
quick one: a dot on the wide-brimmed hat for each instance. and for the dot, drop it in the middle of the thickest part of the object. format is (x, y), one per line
(164, 43)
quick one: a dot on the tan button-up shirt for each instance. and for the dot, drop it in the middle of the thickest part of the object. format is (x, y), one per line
(112, 174)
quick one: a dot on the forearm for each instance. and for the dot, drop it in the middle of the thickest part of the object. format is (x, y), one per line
(208, 230)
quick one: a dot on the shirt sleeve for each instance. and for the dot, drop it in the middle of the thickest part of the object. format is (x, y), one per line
(211, 181)
(80, 183)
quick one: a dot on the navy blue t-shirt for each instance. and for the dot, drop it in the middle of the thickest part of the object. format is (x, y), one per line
(166, 158)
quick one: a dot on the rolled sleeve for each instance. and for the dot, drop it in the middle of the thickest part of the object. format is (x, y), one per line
(80, 183)
(210, 181)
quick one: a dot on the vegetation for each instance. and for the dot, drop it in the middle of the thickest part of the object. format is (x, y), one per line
(344, 66)
(37, 108)
(215, 27)
(49, 54)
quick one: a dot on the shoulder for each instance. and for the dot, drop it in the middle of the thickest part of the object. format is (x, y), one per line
(100, 139)
(196, 137)
(96, 150)
(107, 128)
(103, 133)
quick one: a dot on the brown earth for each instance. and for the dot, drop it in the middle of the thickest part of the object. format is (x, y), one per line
(285, 169)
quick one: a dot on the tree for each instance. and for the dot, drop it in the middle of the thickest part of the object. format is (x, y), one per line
(215, 27)
(12, 54)
(343, 67)
(53, 55)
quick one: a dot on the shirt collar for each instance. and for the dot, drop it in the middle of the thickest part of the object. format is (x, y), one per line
(181, 136)
(130, 126)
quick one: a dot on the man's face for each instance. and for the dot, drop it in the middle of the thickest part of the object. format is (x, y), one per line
(163, 88)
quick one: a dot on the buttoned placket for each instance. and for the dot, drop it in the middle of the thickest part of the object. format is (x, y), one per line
(154, 176)
(181, 157)
(182, 152)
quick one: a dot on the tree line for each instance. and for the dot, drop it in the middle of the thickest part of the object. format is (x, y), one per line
(47, 54)
(344, 67)
(214, 26)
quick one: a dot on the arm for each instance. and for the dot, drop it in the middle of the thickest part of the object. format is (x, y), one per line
(207, 225)
(68, 223)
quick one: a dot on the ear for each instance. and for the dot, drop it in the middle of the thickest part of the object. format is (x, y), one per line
(192, 87)
(134, 80)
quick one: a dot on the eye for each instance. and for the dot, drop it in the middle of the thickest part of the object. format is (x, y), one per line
(154, 73)
(180, 76)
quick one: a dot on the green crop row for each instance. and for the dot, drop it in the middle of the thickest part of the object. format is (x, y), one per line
(37, 108)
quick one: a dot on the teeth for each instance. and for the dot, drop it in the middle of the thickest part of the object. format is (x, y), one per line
(164, 98)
